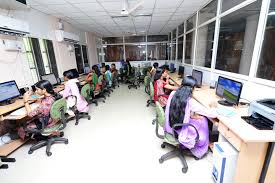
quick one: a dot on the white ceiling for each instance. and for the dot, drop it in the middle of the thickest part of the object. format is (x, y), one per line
(96, 15)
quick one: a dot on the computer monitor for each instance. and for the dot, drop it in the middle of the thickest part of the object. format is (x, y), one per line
(8, 91)
(172, 68)
(181, 71)
(198, 77)
(229, 90)
(51, 78)
(75, 73)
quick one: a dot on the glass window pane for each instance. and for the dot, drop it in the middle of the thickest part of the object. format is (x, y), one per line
(181, 29)
(113, 53)
(135, 52)
(173, 56)
(44, 56)
(266, 67)
(27, 44)
(180, 48)
(174, 33)
(157, 38)
(191, 23)
(34, 75)
(31, 60)
(157, 51)
(134, 39)
(208, 12)
(227, 4)
(189, 45)
(204, 47)
(236, 39)
(112, 40)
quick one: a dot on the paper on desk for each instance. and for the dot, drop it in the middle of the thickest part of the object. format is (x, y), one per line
(225, 112)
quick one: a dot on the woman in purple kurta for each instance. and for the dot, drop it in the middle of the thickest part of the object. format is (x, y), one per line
(182, 108)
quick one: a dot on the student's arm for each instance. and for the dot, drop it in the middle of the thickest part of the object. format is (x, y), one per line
(170, 87)
(66, 91)
(200, 109)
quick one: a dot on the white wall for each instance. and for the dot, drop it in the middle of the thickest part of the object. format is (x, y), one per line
(14, 66)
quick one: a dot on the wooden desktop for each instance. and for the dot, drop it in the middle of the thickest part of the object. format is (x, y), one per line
(250, 142)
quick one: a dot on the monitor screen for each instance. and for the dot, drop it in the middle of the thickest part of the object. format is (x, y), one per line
(51, 78)
(181, 70)
(198, 77)
(8, 90)
(229, 89)
(172, 66)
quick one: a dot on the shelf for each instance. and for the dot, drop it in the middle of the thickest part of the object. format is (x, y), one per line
(6, 149)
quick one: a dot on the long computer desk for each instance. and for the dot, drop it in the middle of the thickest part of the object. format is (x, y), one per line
(251, 143)
(6, 149)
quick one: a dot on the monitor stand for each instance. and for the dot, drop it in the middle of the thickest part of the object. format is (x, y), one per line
(225, 103)
(7, 102)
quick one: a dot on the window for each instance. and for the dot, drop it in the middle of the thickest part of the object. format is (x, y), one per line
(174, 34)
(113, 53)
(79, 59)
(173, 47)
(157, 51)
(208, 12)
(227, 4)
(42, 44)
(181, 29)
(112, 40)
(85, 56)
(236, 39)
(180, 48)
(157, 38)
(266, 67)
(204, 47)
(31, 60)
(135, 52)
(191, 23)
(134, 39)
(189, 47)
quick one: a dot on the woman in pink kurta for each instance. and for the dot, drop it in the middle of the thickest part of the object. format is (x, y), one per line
(71, 88)
(181, 108)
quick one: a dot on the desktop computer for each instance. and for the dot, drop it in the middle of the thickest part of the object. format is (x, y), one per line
(51, 78)
(181, 71)
(197, 75)
(172, 68)
(8, 91)
(230, 90)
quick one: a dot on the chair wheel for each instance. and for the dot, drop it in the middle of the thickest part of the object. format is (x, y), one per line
(103, 101)
(48, 153)
(129, 87)
(162, 146)
(147, 105)
(61, 134)
(30, 152)
(89, 118)
(196, 158)
(184, 170)
(161, 160)
(67, 142)
(76, 123)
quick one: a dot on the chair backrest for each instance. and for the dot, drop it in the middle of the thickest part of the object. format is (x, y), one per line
(86, 91)
(160, 114)
(58, 110)
(151, 90)
(147, 81)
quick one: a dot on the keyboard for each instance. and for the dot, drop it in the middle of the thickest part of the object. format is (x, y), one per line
(225, 112)
(259, 123)
(22, 111)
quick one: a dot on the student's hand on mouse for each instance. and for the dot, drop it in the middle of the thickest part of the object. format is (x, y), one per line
(213, 104)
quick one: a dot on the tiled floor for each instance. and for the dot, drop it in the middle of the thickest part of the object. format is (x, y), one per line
(117, 145)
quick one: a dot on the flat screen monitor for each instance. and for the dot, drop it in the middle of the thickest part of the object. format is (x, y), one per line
(230, 90)
(8, 90)
(51, 78)
(181, 71)
(198, 77)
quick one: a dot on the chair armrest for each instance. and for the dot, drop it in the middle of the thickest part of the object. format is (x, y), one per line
(186, 125)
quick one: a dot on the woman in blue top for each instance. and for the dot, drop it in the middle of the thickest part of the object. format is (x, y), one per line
(108, 75)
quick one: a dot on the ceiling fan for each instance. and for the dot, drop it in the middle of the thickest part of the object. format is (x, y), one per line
(128, 12)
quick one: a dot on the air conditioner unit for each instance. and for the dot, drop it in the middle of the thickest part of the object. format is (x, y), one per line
(66, 36)
(13, 27)
(14, 4)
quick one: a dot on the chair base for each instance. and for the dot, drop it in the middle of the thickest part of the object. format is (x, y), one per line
(176, 152)
(150, 102)
(49, 142)
(80, 115)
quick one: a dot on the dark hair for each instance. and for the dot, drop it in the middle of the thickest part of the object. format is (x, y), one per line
(179, 101)
(69, 74)
(155, 65)
(113, 64)
(158, 74)
(166, 67)
(107, 67)
(96, 69)
(45, 84)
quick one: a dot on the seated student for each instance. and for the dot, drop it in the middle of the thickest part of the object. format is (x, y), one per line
(114, 71)
(45, 90)
(153, 70)
(183, 108)
(108, 76)
(91, 78)
(162, 88)
(71, 88)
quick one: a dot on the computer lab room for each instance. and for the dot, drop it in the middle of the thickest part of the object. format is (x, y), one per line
(137, 91)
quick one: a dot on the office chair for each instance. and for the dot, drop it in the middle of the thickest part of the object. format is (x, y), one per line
(115, 81)
(52, 134)
(171, 140)
(134, 81)
(88, 95)
(151, 99)
(78, 115)
(160, 119)
(147, 81)
(104, 90)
